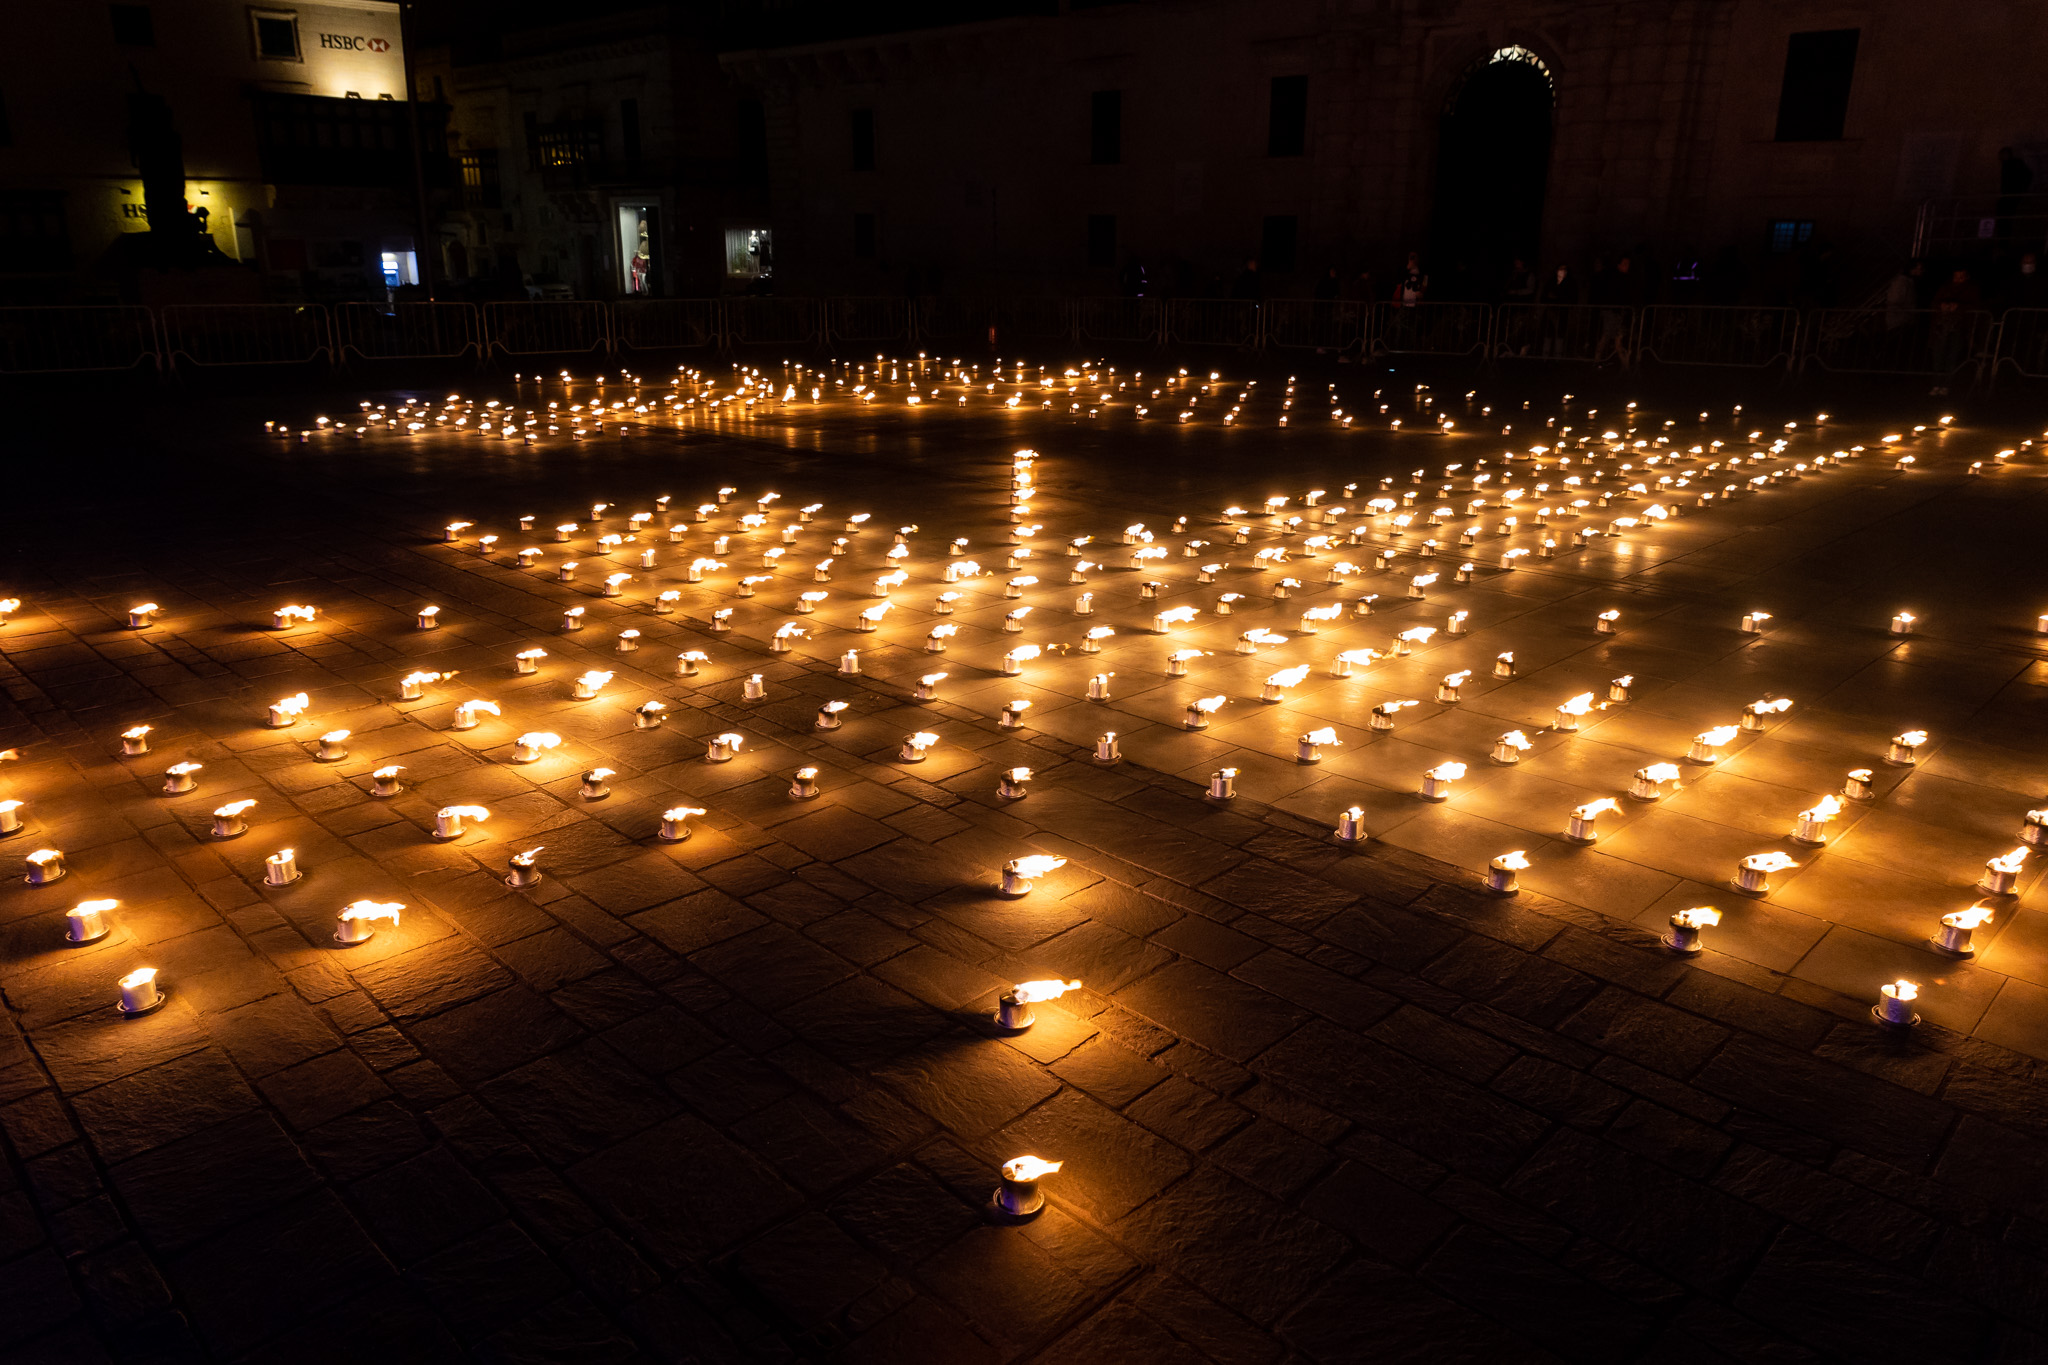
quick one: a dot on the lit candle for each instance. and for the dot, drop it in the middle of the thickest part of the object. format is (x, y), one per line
(2001, 874)
(721, 748)
(1436, 783)
(529, 747)
(1894, 1007)
(675, 827)
(1905, 748)
(86, 921)
(590, 683)
(448, 821)
(1018, 1197)
(521, 869)
(1020, 873)
(285, 711)
(592, 785)
(1223, 784)
(281, 868)
(384, 781)
(1753, 874)
(357, 923)
(139, 991)
(804, 784)
(1013, 1009)
(1500, 873)
(228, 821)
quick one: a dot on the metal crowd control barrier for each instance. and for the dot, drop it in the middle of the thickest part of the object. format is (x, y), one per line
(245, 334)
(2023, 342)
(668, 324)
(1033, 320)
(408, 331)
(769, 321)
(1710, 334)
(1920, 341)
(1213, 322)
(1321, 324)
(868, 319)
(1431, 328)
(1111, 319)
(1563, 331)
(548, 326)
(953, 319)
(71, 340)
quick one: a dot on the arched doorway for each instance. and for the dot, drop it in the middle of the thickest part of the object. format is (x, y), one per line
(1493, 157)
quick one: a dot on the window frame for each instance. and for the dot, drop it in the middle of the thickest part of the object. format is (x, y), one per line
(258, 17)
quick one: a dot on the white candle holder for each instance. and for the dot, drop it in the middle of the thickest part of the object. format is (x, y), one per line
(1107, 750)
(1438, 782)
(2034, 832)
(384, 781)
(448, 821)
(1894, 1008)
(721, 621)
(230, 821)
(804, 785)
(357, 923)
(591, 786)
(1753, 874)
(1098, 687)
(179, 779)
(2002, 874)
(429, 618)
(135, 741)
(1506, 752)
(675, 823)
(281, 868)
(521, 870)
(1857, 785)
(526, 558)
(849, 664)
(86, 922)
(45, 865)
(1017, 1198)
(1902, 624)
(722, 748)
(143, 617)
(1504, 666)
(1351, 826)
(1307, 749)
(1500, 874)
(10, 818)
(1223, 784)
(1904, 750)
(1684, 936)
(565, 572)
(1013, 784)
(1953, 938)
(140, 993)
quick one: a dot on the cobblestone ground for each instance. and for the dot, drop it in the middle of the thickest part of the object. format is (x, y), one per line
(737, 1098)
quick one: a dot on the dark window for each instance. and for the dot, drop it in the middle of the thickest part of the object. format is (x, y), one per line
(863, 126)
(1106, 127)
(1787, 233)
(1287, 117)
(277, 37)
(1101, 239)
(864, 236)
(1815, 97)
(629, 129)
(750, 137)
(1276, 244)
(133, 25)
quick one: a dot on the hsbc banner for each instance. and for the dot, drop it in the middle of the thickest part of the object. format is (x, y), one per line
(353, 42)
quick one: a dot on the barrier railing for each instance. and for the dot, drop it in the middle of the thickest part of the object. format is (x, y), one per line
(1107, 319)
(245, 334)
(1319, 324)
(1033, 320)
(1213, 322)
(1563, 331)
(2023, 341)
(548, 326)
(868, 319)
(1918, 341)
(1431, 328)
(668, 324)
(772, 321)
(60, 340)
(408, 331)
(1708, 334)
(1869, 340)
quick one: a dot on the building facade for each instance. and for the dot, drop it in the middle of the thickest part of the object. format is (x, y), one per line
(287, 124)
(607, 158)
(1743, 147)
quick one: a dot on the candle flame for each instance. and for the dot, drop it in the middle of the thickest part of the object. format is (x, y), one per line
(141, 976)
(1512, 862)
(1515, 739)
(1029, 1167)
(1777, 706)
(234, 808)
(1901, 989)
(1699, 917)
(1768, 862)
(1715, 737)
(2010, 862)
(180, 769)
(729, 740)
(539, 739)
(1447, 772)
(43, 857)
(1972, 918)
(1101, 632)
(1287, 677)
(1032, 992)
(1911, 739)
(368, 910)
(1326, 735)
(466, 812)
(292, 705)
(415, 679)
(1593, 809)
(1577, 706)
(1036, 865)
(531, 654)
(1827, 808)
(594, 678)
(1177, 615)
(1024, 652)
(1017, 775)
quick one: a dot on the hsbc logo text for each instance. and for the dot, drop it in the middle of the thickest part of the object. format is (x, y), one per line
(349, 42)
